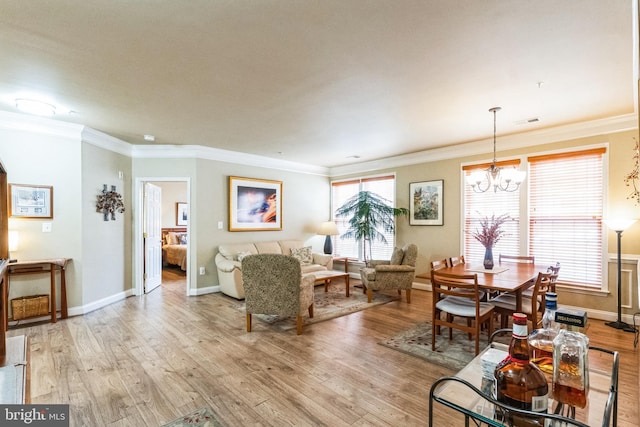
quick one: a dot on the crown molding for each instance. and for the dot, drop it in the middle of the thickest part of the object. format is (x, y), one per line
(108, 142)
(27, 123)
(227, 156)
(35, 124)
(508, 142)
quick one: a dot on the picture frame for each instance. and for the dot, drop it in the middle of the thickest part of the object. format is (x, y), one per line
(426, 205)
(30, 201)
(254, 204)
(182, 213)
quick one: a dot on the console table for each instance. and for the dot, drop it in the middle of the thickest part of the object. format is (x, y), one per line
(41, 266)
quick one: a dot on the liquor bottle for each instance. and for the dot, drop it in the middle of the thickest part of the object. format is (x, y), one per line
(541, 340)
(519, 383)
(571, 367)
(549, 316)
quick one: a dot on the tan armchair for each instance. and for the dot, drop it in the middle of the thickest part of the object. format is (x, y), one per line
(273, 284)
(397, 273)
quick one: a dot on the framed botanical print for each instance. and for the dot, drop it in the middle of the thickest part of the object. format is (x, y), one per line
(426, 203)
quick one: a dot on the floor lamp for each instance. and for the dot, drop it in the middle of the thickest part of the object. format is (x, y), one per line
(619, 226)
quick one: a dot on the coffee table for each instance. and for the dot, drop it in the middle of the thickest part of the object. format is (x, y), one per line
(327, 275)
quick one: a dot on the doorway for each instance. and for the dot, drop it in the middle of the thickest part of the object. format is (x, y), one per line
(170, 229)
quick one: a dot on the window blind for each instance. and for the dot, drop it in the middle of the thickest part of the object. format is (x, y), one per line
(479, 205)
(566, 198)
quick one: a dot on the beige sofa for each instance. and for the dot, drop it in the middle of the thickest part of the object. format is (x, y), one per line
(230, 268)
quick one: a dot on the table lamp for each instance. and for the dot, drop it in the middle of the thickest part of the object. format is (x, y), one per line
(13, 241)
(619, 225)
(328, 228)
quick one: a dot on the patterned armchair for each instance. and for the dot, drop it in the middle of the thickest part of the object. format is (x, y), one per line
(273, 284)
(397, 273)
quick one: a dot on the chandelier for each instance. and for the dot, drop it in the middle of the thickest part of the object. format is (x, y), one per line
(503, 179)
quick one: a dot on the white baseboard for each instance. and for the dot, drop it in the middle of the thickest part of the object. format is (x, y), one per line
(203, 291)
(421, 286)
(77, 311)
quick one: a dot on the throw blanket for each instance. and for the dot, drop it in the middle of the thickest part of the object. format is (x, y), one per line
(176, 254)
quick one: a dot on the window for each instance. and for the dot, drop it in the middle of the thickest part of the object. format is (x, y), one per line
(479, 205)
(565, 214)
(341, 191)
(564, 207)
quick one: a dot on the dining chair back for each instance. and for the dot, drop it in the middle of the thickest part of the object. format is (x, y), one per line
(505, 304)
(458, 296)
(516, 258)
(439, 264)
(455, 260)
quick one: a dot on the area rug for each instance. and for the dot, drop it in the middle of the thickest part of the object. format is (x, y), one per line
(416, 341)
(327, 305)
(203, 417)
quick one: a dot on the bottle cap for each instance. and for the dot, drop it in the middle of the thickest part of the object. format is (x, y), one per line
(519, 319)
(551, 299)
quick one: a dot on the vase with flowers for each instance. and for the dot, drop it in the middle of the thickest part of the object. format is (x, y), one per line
(489, 234)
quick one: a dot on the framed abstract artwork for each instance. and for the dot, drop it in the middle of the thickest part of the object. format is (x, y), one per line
(426, 203)
(30, 201)
(254, 204)
(182, 213)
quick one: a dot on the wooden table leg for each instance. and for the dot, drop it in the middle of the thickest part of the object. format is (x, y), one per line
(519, 301)
(63, 293)
(54, 317)
(346, 283)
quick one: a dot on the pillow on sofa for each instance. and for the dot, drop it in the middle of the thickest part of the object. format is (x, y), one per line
(396, 257)
(241, 255)
(303, 255)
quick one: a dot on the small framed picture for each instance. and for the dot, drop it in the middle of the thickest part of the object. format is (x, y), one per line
(31, 201)
(426, 203)
(182, 213)
(254, 204)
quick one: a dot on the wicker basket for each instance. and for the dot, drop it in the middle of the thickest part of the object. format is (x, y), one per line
(29, 306)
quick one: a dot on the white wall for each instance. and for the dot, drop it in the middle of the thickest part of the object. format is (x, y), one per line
(41, 154)
(106, 245)
(172, 193)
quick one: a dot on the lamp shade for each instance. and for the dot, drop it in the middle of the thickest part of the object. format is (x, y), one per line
(13, 241)
(328, 228)
(619, 224)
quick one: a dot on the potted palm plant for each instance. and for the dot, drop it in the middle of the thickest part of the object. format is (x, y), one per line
(370, 216)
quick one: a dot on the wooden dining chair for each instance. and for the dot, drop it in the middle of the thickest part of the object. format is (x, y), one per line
(505, 304)
(455, 260)
(439, 264)
(516, 258)
(554, 270)
(457, 296)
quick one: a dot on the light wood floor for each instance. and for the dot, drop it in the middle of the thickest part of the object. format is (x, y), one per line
(147, 360)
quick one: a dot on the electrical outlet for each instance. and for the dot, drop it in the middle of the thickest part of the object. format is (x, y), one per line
(46, 227)
(202, 271)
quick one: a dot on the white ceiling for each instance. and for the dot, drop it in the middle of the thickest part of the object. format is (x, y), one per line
(318, 82)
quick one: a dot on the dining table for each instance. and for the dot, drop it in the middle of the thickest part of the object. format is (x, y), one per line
(503, 277)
